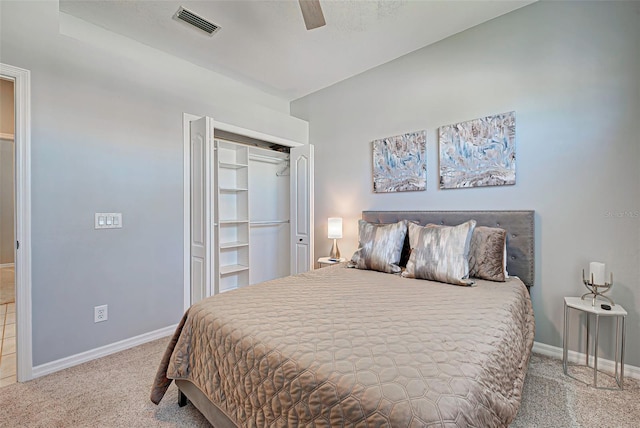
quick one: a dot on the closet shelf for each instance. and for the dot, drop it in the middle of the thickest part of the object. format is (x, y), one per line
(229, 165)
(235, 244)
(267, 158)
(232, 189)
(229, 269)
(259, 223)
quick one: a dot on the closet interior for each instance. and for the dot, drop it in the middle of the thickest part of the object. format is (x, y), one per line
(251, 215)
(250, 207)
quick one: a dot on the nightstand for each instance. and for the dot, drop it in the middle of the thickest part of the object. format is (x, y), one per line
(327, 261)
(585, 306)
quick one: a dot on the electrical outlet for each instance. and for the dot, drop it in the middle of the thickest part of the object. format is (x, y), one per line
(100, 313)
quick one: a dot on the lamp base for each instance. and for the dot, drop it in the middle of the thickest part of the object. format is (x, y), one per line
(335, 252)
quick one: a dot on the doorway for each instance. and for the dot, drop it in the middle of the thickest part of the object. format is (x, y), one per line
(17, 362)
(8, 360)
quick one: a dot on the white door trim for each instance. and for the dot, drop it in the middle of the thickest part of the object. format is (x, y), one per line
(186, 200)
(22, 88)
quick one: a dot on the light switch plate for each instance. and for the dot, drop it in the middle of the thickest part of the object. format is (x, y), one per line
(108, 220)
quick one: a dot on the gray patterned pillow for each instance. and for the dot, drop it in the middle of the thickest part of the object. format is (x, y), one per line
(440, 253)
(380, 246)
(487, 253)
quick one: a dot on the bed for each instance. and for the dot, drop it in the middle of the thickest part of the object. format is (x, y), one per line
(345, 347)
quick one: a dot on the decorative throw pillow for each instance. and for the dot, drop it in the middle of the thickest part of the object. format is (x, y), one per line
(440, 253)
(487, 255)
(380, 246)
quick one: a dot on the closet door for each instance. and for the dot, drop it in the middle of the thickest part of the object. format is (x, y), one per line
(201, 136)
(301, 207)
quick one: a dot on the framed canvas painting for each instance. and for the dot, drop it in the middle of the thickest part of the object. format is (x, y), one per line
(399, 163)
(479, 152)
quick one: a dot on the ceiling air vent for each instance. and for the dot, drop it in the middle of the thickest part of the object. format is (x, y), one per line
(197, 21)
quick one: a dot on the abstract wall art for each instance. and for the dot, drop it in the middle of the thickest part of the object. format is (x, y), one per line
(480, 152)
(399, 163)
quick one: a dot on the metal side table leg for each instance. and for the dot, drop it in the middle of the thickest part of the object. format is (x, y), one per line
(622, 355)
(615, 376)
(565, 339)
(595, 353)
(586, 350)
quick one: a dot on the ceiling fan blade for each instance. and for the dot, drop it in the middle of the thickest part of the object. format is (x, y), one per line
(312, 14)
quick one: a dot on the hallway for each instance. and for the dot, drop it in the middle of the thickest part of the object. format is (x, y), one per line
(7, 326)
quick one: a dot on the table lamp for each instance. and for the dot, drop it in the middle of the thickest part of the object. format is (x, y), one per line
(335, 232)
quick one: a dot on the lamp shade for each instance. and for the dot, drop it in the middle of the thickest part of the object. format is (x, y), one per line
(335, 227)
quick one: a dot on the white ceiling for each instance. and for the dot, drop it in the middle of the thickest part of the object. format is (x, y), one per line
(264, 43)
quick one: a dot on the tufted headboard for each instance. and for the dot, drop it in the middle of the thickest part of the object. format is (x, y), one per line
(518, 224)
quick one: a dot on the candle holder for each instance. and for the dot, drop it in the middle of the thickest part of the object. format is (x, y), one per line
(597, 290)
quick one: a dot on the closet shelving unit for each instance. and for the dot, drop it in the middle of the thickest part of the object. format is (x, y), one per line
(231, 215)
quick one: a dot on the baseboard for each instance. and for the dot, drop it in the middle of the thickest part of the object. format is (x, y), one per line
(579, 357)
(103, 351)
(7, 265)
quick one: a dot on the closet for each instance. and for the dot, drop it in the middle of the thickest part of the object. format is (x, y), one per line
(251, 203)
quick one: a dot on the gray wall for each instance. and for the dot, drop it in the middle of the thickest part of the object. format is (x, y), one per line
(107, 137)
(570, 71)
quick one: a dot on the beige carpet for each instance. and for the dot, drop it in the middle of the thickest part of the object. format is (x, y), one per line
(7, 285)
(551, 399)
(113, 392)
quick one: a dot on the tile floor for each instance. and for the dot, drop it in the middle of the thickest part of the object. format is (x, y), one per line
(7, 344)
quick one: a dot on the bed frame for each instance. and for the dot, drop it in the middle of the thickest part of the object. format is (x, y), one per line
(520, 262)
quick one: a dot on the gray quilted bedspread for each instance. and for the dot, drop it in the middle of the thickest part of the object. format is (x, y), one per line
(345, 347)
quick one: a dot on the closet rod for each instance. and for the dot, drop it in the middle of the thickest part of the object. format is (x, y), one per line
(268, 222)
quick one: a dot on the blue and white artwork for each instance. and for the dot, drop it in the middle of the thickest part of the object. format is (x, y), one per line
(480, 152)
(399, 163)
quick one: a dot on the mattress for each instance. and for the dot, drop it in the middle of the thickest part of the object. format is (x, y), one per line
(341, 347)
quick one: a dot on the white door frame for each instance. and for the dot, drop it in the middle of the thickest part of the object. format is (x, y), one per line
(186, 118)
(186, 184)
(22, 139)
